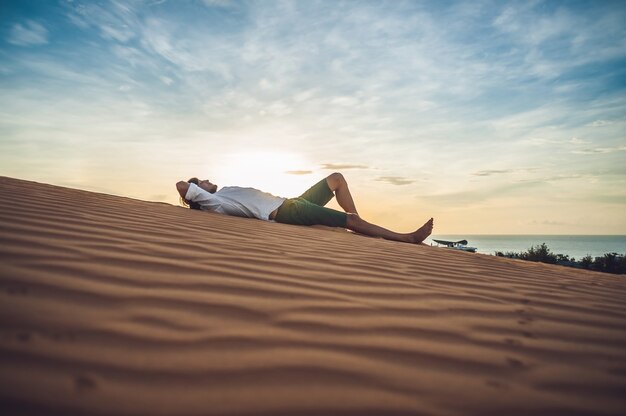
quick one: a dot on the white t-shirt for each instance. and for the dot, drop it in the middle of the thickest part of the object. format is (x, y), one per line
(233, 200)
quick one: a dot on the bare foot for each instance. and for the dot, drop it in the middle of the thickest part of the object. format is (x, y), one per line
(421, 233)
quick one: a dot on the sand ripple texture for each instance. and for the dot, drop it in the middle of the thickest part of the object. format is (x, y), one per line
(114, 306)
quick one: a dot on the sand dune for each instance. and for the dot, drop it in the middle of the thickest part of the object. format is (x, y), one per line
(117, 306)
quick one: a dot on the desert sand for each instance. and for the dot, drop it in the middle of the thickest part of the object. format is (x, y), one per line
(118, 306)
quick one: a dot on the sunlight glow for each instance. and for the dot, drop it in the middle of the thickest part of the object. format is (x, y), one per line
(265, 170)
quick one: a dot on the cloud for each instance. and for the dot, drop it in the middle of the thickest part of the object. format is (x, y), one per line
(600, 123)
(195, 51)
(612, 199)
(278, 108)
(473, 197)
(492, 172)
(30, 33)
(114, 20)
(119, 34)
(166, 80)
(563, 177)
(599, 150)
(522, 21)
(218, 3)
(299, 172)
(395, 180)
(551, 223)
(303, 95)
(345, 101)
(57, 70)
(341, 166)
(576, 140)
(539, 141)
(554, 41)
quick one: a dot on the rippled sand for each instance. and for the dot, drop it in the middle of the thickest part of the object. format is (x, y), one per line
(116, 306)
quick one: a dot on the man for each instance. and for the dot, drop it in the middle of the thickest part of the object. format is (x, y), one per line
(307, 209)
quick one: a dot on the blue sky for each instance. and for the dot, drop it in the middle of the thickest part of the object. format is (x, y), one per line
(492, 116)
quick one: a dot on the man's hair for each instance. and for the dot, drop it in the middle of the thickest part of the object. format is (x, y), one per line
(191, 204)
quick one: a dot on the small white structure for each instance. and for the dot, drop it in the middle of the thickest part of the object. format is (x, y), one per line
(456, 245)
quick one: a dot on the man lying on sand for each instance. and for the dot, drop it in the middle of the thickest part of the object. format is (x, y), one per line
(307, 209)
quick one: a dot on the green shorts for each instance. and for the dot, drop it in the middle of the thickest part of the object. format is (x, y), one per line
(308, 208)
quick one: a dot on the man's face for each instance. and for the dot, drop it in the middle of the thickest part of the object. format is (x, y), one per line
(207, 186)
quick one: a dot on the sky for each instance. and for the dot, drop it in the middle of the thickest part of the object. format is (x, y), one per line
(493, 117)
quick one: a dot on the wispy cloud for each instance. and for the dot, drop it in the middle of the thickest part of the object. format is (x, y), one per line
(600, 123)
(578, 141)
(218, 3)
(496, 172)
(395, 180)
(492, 172)
(563, 177)
(537, 27)
(115, 20)
(299, 172)
(342, 166)
(29, 33)
(481, 196)
(599, 150)
(551, 223)
(612, 199)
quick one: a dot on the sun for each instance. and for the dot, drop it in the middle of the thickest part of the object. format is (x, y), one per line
(270, 171)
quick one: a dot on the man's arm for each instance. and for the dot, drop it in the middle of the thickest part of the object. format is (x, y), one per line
(182, 188)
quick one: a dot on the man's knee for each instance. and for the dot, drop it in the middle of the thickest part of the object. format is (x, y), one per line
(335, 180)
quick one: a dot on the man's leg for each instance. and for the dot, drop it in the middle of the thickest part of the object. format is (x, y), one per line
(358, 224)
(300, 211)
(337, 183)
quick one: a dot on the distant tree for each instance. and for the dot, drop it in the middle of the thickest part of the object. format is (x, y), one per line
(539, 253)
(586, 262)
(562, 258)
(610, 263)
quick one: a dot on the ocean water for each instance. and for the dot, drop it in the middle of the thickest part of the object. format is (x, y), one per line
(577, 246)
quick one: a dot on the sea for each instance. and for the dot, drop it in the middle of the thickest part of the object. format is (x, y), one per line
(576, 246)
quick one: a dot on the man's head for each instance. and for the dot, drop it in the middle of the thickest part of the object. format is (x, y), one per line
(204, 184)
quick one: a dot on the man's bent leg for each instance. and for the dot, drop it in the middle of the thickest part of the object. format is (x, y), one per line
(358, 224)
(319, 194)
(300, 211)
(338, 184)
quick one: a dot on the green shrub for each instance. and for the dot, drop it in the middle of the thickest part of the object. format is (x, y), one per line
(586, 262)
(609, 263)
(539, 253)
